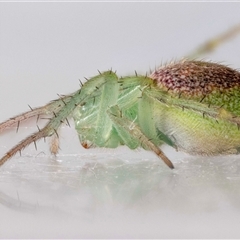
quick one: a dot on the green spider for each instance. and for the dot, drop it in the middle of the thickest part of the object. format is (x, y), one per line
(190, 105)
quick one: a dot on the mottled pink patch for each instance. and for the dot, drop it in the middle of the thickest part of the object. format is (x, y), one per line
(195, 78)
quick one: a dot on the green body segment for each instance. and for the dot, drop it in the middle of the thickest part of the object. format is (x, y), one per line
(127, 111)
(118, 98)
(198, 134)
(207, 135)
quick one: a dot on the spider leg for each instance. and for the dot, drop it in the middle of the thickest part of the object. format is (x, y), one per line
(132, 135)
(48, 109)
(213, 43)
(58, 110)
(55, 143)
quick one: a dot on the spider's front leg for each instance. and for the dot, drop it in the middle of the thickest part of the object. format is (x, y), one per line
(57, 112)
(48, 111)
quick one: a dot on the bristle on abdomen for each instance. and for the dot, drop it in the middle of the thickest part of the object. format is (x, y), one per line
(195, 78)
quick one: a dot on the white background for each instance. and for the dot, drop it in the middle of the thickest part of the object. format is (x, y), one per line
(44, 49)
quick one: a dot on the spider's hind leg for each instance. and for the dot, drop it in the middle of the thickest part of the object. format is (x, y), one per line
(213, 43)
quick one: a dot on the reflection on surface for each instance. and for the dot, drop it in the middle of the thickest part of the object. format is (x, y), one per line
(99, 186)
(128, 182)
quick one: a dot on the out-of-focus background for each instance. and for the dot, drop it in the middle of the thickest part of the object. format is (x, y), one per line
(44, 49)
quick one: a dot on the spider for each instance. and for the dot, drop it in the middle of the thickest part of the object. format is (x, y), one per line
(190, 105)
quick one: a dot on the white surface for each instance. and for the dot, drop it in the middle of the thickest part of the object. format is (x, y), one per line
(44, 49)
